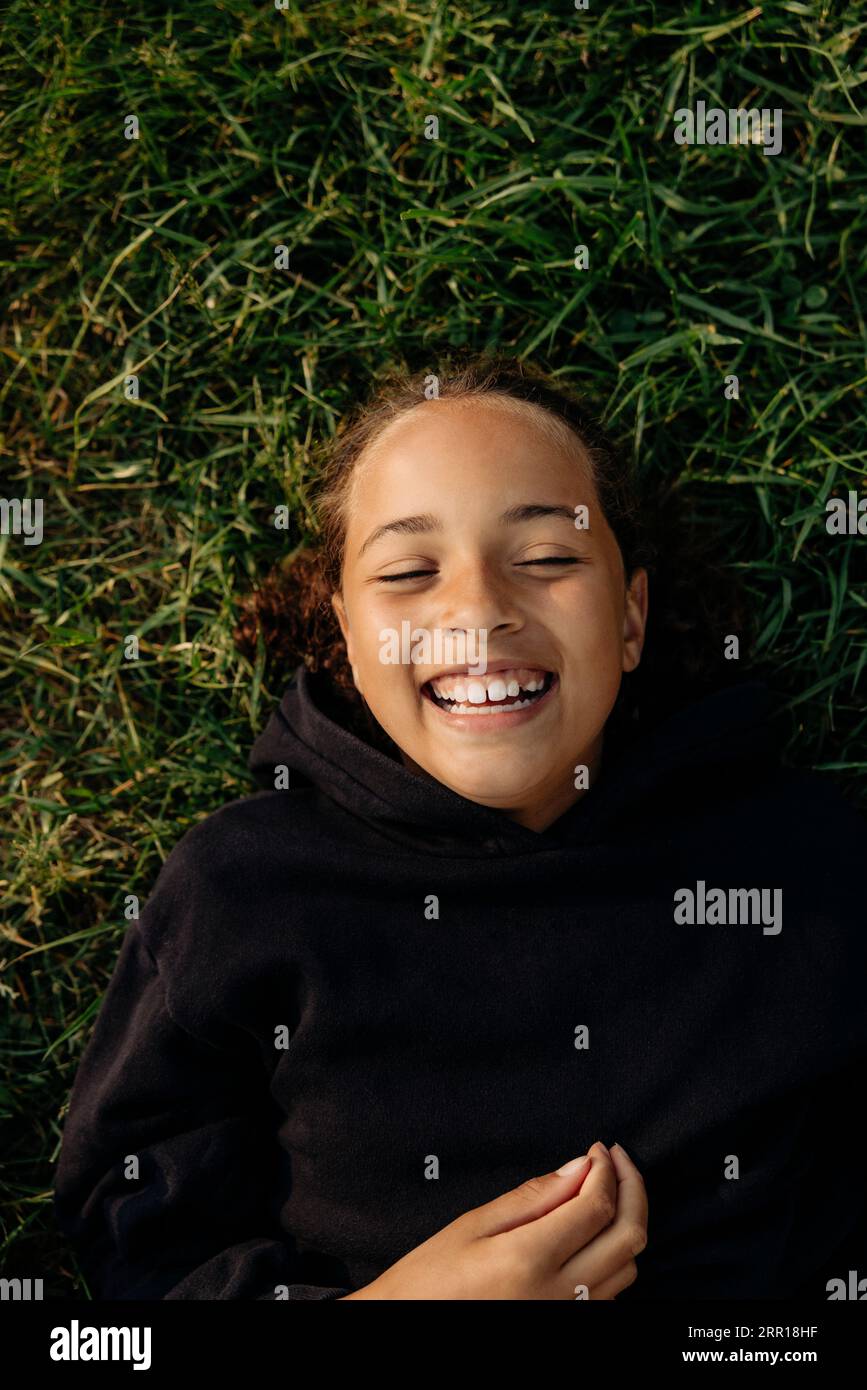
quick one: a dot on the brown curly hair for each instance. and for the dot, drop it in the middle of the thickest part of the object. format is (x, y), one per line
(694, 603)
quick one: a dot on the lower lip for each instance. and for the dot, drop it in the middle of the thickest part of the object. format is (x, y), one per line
(490, 723)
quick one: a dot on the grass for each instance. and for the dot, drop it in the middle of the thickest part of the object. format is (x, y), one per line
(155, 256)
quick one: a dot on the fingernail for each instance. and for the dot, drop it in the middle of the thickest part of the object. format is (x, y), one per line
(619, 1146)
(573, 1165)
(603, 1147)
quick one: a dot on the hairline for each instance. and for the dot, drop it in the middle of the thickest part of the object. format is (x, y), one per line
(556, 429)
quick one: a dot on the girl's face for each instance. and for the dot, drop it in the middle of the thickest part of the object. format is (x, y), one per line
(462, 518)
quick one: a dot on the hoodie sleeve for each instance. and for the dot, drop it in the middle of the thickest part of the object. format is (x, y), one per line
(169, 1149)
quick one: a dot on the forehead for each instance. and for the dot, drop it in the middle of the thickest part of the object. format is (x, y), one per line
(512, 436)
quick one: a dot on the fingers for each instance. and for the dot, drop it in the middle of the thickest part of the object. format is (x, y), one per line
(527, 1202)
(606, 1264)
(574, 1222)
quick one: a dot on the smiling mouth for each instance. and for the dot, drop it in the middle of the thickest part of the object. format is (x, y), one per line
(491, 695)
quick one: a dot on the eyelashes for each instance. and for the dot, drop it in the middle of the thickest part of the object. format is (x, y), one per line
(546, 560)
(554, 560)
(410, 574)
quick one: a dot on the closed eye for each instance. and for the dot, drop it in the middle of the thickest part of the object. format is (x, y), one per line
(409, 574)
(555, 560)
(543, 560)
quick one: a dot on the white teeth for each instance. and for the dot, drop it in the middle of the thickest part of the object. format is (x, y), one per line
(496, 686)
(483, 696)
(490, 709)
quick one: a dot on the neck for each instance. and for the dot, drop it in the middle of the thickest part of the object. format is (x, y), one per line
(549, 804)
(548, 808)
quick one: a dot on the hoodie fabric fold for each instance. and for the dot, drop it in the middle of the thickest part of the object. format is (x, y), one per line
(358, 1005)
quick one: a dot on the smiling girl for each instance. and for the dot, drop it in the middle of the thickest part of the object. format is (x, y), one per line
(480, 536)
(368, 1012)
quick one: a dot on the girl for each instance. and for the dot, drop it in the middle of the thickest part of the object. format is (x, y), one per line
(487, 911)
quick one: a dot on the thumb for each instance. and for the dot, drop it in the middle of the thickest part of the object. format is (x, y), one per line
(531, 1199)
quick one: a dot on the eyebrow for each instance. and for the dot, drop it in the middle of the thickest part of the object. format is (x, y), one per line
(425, 522)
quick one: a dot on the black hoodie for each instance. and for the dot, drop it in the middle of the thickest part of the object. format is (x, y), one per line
(353, 1009)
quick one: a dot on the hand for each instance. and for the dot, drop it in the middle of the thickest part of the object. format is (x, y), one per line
(541, 1240)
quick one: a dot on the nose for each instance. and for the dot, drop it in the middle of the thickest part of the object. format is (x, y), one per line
(476, 596)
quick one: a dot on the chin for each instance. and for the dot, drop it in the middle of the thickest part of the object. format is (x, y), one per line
(503, 790)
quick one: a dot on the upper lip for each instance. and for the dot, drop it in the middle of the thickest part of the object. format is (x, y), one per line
(514, 663)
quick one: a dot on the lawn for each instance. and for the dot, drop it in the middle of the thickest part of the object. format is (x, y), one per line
(157, 258)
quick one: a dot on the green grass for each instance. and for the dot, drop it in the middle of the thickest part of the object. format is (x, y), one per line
(305, 128)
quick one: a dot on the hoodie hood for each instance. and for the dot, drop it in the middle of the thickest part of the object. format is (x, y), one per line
(729, 727)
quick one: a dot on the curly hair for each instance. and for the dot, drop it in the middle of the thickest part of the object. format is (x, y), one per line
(695, 600)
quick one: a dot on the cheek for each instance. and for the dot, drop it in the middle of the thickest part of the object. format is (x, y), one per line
(367, 619)
(386, 683)
(591, 623)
